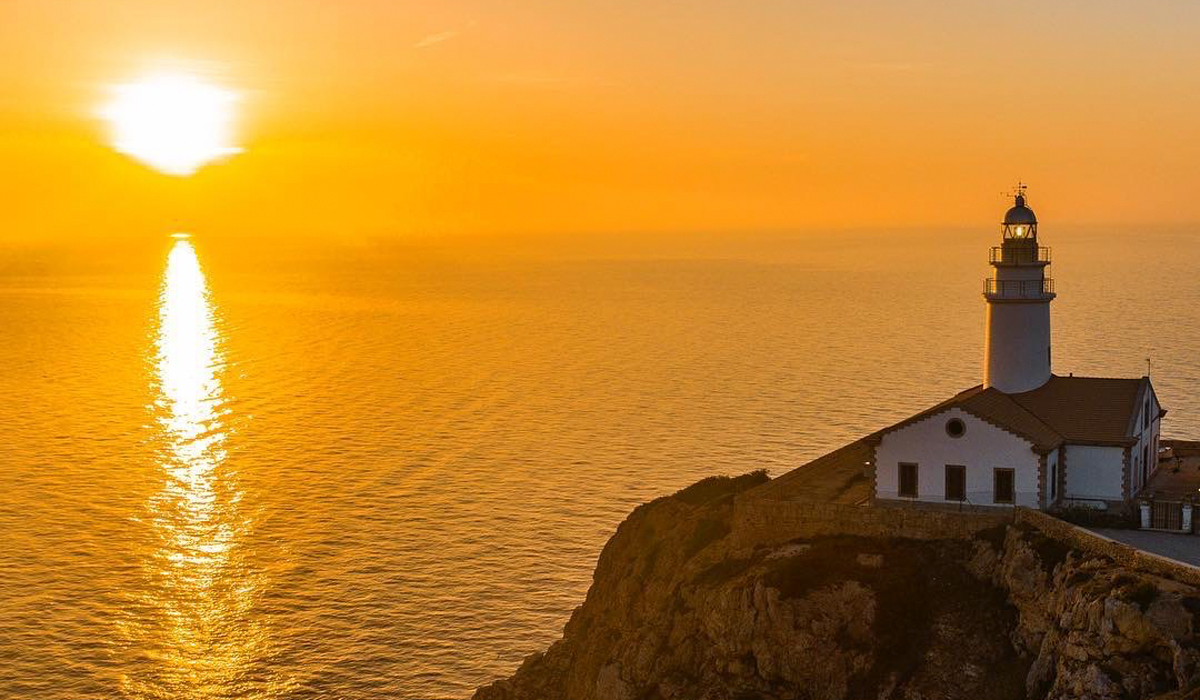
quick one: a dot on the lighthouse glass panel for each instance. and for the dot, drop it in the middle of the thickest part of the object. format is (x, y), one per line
(1020, 231)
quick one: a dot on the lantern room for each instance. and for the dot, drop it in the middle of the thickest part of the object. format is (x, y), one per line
(1019, 221)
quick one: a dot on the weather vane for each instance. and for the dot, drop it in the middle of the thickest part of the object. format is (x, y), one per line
(1018, 191)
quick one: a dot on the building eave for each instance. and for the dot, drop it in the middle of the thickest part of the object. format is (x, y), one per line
(1128, 442)
(1040, 448)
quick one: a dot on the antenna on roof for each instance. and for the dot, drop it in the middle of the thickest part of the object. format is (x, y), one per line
(1016, 192)
(1147, 366)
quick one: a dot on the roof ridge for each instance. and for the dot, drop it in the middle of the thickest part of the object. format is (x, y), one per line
(1033, 415)
(1083, 376)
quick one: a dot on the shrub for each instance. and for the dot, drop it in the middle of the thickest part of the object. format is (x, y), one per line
(715, 487)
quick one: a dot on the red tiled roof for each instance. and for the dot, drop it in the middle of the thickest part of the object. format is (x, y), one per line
(1089, 410)
(1082, 410)
(998, 408)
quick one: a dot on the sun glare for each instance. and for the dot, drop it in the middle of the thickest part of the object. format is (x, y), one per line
(173, 123)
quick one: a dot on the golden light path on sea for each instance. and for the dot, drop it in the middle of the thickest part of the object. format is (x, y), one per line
(197, 609)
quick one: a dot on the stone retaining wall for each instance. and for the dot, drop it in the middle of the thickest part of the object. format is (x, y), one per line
(769, 521)
(1087, 541)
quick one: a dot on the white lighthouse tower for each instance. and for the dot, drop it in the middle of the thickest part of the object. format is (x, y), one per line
(1017, 337)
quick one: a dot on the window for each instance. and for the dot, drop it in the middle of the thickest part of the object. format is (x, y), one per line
(956, 482)
(1053, 480)
(955, 428)
(908, 479)
(1146, 414)
(1003, 486)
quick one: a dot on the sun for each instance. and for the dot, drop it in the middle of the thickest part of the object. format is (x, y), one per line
(174, 123)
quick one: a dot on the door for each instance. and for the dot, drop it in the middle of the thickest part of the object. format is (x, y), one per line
(956, 482)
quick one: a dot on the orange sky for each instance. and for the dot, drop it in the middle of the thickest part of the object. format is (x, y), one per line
(403, 118)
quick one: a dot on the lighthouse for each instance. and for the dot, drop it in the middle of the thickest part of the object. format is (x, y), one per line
(1023, 437)
(1017, 333)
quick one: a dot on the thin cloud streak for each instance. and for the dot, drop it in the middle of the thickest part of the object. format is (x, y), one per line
(435, 39)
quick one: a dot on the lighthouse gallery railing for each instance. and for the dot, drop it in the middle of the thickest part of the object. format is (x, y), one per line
(1019, 256)
(1018, 289)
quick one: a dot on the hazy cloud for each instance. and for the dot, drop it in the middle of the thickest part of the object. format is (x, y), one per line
(436, 39)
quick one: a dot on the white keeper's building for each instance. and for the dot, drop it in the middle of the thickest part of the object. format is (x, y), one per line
(1024, 436)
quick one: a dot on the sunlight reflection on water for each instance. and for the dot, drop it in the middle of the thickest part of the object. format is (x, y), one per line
(315, 470)
(197, 608)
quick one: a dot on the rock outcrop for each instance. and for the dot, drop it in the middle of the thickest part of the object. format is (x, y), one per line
(1093, 629)
(676, 611)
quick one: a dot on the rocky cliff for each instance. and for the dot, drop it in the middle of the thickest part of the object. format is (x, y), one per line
(677, 611)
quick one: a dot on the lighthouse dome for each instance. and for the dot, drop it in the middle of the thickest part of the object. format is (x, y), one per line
(1019, 213)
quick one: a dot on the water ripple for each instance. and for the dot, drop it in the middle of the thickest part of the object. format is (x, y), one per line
(377, 473)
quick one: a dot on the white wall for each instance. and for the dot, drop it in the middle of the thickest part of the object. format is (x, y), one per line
(1016, 343)
(1146, 445)
(1094, 472)
(981, 449)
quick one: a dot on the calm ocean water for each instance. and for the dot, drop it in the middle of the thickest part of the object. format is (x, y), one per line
(362, 471)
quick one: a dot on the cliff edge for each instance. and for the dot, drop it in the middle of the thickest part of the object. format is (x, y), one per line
(681, 609)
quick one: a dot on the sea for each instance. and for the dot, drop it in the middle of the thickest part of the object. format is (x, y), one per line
(254, 466)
